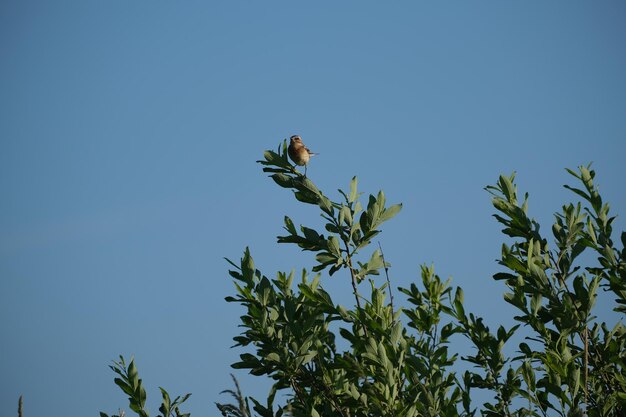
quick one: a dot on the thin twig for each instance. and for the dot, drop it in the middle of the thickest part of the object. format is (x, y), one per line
(20, 407)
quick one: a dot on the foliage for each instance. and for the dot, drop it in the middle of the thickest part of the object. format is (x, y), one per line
(573, 361)
(372, 360)
(129, 382)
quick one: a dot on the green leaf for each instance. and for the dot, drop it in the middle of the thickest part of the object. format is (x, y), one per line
(273, 357)
(535, 303)
(142, 395)
(333, 246)
(325, 204)
(376, 261)
(124, 386)
(289, 226)
(307, 357)
(458, 295)
(166, 397)
(353, 190)
(306, 197)
(133, 376)
(346, 215)
(283, 180)
(507, 188)
(579, 192)
(309, 185)
(390, 212)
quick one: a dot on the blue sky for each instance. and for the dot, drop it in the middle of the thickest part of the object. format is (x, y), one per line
(129, 133)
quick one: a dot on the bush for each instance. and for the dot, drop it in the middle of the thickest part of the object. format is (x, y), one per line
(380, 359)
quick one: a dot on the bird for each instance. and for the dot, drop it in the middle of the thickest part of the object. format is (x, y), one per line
(299, 153)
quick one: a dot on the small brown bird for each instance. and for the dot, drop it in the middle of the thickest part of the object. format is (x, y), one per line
(299, 153)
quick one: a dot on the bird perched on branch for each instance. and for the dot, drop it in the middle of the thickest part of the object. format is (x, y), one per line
(299, 153)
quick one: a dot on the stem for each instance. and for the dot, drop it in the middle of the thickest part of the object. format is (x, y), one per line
(388, 281)
(580, 316)
(356, 292)
(586, 335)
(296, 389)
(327, 392)
(353, 276)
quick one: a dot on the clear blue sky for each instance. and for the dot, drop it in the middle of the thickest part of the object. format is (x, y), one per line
(130, 129)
